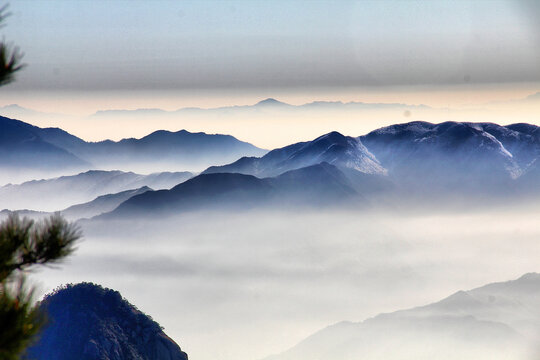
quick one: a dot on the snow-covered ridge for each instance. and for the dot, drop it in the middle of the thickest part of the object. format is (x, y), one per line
(515, 147)
(337, 149)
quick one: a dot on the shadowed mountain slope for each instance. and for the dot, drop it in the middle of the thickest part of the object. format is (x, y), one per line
(88, 322)
(201, 192)
(101, 204)
(321, 184)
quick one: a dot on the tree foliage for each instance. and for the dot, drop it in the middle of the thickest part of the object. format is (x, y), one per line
(10, 56)
(25, 244)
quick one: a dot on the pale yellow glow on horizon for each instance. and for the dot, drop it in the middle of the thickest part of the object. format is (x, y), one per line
(474, 103)
(87, 103)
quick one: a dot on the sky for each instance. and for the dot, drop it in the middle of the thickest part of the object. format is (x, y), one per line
(85, 56)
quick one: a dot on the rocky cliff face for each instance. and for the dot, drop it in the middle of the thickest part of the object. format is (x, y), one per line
(88, 322)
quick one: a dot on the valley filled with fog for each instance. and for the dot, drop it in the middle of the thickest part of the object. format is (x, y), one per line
(250, 284)
(254, 255)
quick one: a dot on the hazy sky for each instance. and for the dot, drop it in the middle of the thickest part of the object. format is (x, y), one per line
(241, 45)
(85, 56)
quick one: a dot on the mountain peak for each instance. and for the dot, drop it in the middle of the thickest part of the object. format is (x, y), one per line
(530, 277)
(332, 136)
(270, 102)
(13, 107)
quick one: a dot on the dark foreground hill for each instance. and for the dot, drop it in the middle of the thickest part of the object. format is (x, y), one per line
(88, 322)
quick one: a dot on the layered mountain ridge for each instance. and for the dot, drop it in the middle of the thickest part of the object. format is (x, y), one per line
(62, 192)
(415, 160)
(317, 185)
(30, 148)
(415, 155)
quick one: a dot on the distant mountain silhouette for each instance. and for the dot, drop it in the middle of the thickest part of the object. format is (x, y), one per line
(265, 104)
(496, 321)
(181, 149)
(88, 322)
(271, 102)
(23, 146)
(62, 192)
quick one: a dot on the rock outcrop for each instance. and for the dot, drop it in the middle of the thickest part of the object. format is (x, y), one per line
(89, 322)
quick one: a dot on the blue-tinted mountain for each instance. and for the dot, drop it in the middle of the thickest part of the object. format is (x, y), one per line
(333, 148)
(454, 156)
(271, 102)
(496, 321)
(101, 204)
(448, 160)
(315, 185)
(26, 147)
(59, 193)
(89, 322)
(181, 148)
(521, 140)
(321, 184)
(23, 146)
(209, 191)
(421, 155)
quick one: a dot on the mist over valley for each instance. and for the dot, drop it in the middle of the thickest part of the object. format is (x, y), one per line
(256, 255)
